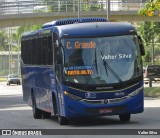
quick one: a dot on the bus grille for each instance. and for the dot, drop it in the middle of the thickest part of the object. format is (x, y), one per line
(105, 101)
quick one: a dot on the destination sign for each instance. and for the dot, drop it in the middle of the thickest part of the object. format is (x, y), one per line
(79, 72)
(80, 45)
(80, 68)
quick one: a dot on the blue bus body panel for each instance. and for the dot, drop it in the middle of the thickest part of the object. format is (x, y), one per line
(41, 81)
(77, 108)
(104, 94)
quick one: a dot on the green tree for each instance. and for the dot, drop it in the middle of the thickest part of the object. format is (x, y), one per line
(144, 31)
(3, 41)
(15, 44)
(147, 57)
(147, 29)
(150, 8)
(28, 28)
(17, 36)
(150, 33)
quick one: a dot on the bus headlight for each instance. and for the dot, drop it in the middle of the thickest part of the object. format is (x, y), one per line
(72, 96)
(134, 93)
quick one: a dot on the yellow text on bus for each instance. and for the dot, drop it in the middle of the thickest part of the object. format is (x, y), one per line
(81, 45)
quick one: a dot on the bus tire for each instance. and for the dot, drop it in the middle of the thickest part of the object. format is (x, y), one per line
(125, 117)
(37, 113)
(46, 115)
(62, 120)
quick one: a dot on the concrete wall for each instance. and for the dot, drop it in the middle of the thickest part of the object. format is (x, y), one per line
(4, 63)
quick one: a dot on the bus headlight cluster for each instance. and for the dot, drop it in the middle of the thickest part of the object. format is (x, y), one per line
(72, 96)
(134, 93)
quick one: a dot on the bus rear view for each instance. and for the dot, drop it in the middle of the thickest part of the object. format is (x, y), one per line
(97, 70)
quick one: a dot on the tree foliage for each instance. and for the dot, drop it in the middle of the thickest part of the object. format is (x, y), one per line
(15, 37)
(150, 8)
(28, 28)
(147, 57)
(3, 41)
(150, 33)
(147, 29)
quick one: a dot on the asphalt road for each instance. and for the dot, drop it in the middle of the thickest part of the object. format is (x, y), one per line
(15, 114)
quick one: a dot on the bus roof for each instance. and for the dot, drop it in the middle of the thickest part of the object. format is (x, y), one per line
(73, 21)
(88, 29)
(96, 29)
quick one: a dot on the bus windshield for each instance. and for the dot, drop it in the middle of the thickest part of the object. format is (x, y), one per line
(102, 60)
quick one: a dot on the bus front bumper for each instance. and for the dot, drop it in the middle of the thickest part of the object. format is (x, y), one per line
(77, 108)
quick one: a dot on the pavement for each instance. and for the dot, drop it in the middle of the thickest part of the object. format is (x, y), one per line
(151, 102)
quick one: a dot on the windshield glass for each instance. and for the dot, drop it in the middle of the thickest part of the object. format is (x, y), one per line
(102, 60)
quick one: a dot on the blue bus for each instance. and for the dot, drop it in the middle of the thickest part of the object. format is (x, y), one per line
(83, 67)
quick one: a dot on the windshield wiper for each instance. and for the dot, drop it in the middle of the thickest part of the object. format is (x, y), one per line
(95, 61)
(107, 67)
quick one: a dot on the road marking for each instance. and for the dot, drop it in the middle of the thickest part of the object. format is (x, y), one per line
(16, 108)
(13, 95)
(152, 103)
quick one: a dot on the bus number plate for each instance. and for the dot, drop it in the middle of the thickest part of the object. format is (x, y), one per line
(103, 111)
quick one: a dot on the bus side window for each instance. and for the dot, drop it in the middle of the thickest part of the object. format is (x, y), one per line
(30, 52)
(50, 51)
(41, 51)
(34, 53)
(55, 39)
(44, 51)
(23, 50)
(39, 47)
(26, 52)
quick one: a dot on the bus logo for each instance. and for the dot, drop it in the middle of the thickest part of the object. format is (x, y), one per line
(90, 95)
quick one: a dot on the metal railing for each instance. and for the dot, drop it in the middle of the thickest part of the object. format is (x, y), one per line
(32, 6)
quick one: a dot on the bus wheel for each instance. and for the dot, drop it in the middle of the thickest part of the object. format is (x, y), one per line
(37, 113)
(125, 117)
(62, 120)
(46, 115)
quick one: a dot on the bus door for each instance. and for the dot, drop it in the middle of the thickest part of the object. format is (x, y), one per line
(58, 75)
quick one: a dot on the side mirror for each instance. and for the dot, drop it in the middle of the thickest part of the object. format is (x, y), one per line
(141, 46)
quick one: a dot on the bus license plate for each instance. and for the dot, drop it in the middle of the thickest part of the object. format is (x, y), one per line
(102, 111)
